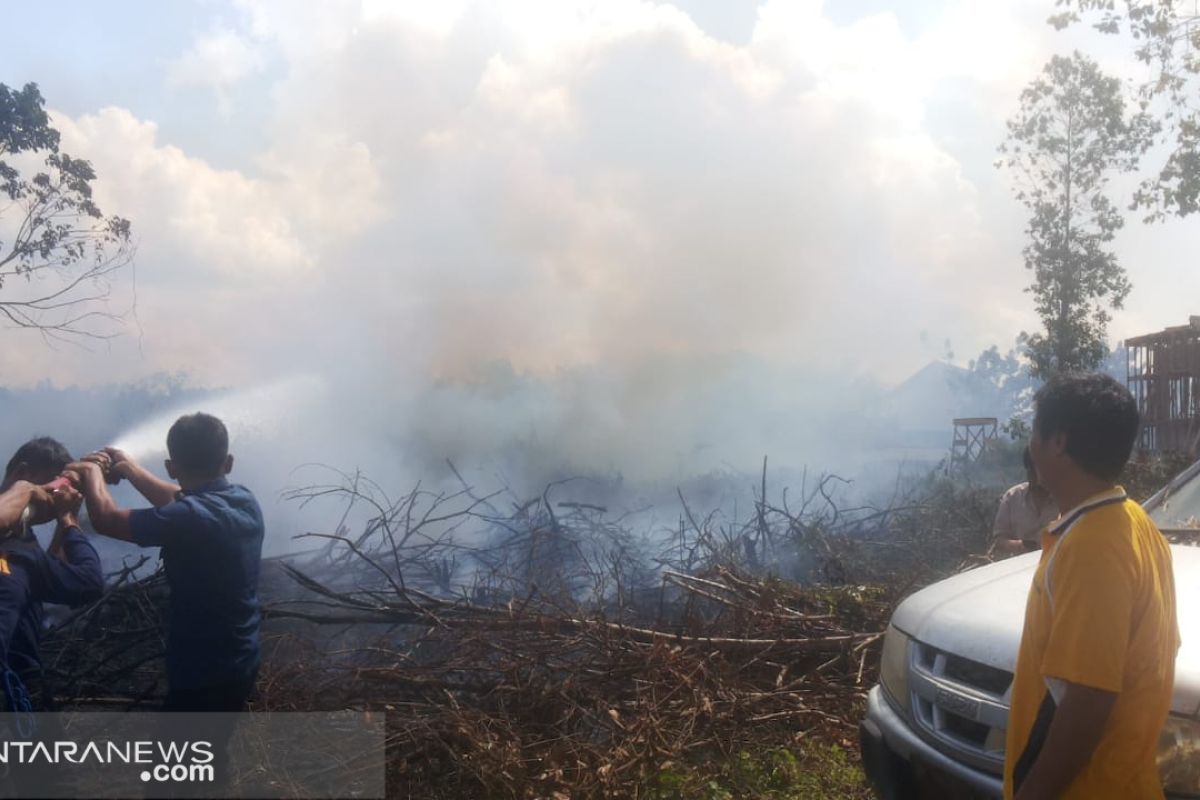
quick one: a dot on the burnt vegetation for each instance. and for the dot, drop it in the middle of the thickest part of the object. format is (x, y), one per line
(552, 647)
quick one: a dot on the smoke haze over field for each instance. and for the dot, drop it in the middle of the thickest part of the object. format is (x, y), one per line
(649, 238)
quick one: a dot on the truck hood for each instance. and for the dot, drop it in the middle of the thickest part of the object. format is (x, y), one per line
(979, 614)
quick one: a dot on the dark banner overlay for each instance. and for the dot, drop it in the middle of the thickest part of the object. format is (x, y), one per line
(254, 755)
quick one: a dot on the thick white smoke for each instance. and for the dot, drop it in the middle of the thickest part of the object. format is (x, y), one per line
(542, 238)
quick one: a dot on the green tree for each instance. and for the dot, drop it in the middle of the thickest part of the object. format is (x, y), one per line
(58, 251)
(1166, 34)
(1008, 376)
(1069, 137)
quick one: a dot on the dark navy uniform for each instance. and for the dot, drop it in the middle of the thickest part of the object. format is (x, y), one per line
(211, 540)
(29, 576)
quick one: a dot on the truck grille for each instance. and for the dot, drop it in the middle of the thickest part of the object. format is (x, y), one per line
(971, 673)
(960, 706)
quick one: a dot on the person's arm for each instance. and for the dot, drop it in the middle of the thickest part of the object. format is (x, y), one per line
(57, 541)
(67, 503)
(157, 491)
(19, 496)
(106, 517)
(1004, 534)
(1074, 735)
(145, 527)
(73, 576)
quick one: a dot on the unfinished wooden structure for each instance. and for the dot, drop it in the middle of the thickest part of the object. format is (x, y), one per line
(1163, 373)
(971, 435)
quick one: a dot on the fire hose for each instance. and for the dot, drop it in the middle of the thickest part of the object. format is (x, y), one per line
(53, 487)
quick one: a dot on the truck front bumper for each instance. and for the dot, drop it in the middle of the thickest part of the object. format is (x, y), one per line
(901, 765)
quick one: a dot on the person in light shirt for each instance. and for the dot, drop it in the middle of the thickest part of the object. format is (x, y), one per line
(1025, 511)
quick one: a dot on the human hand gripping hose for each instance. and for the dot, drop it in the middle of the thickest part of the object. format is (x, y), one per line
(59, 483)
(69, 481)
(16, 695)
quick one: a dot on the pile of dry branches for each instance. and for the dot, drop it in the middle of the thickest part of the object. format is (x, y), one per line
(109, 653)
(541, 648)
(547, 647)
(531, 700)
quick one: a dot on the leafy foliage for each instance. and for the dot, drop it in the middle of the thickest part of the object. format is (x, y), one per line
(57, 249)
(1167, 36)
(1068, 138)
(1010, 376)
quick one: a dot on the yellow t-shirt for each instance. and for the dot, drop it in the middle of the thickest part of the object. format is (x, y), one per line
(1101, 613)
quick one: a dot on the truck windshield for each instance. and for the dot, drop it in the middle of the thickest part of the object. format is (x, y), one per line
(1180, 507)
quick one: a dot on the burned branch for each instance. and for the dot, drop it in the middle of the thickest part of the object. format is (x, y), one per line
(539, 647)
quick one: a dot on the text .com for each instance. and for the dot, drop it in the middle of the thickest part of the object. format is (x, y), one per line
(179, 773)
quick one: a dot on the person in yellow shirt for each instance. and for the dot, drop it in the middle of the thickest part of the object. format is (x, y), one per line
(1096, 666)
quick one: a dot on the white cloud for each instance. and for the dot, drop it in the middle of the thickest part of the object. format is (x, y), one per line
(230, 278)
(217, 59)
(217, 225)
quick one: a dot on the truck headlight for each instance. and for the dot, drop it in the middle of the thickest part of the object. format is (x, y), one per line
(1179, 756)
(893, 668)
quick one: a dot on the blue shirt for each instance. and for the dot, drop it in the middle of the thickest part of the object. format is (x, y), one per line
(211, 539)
(30, 576)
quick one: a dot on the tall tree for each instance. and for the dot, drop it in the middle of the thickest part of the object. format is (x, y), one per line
(58, 251)
(1007, 374)
(1070, 136)
(1166, 36)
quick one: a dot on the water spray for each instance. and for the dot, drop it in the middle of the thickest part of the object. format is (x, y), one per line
(259, 411)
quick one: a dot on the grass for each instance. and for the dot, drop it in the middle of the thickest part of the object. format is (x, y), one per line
(810, 771)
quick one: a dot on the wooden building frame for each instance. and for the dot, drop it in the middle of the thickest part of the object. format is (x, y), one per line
(1163, 373)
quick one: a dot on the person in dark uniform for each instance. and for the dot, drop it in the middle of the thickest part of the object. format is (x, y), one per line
(69, 573)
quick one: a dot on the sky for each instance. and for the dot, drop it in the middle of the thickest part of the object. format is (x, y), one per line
(395, 194)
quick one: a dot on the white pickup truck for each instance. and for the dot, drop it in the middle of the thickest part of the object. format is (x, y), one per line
(936, 722)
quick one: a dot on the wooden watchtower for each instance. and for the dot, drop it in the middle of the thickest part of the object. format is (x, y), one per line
(971, 437)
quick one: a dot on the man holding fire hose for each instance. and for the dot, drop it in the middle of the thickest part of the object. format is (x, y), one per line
(211, 533)
(69, 573)
(30, 494)
(40, 461)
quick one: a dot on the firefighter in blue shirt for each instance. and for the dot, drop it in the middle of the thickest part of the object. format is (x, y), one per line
(211, 533)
